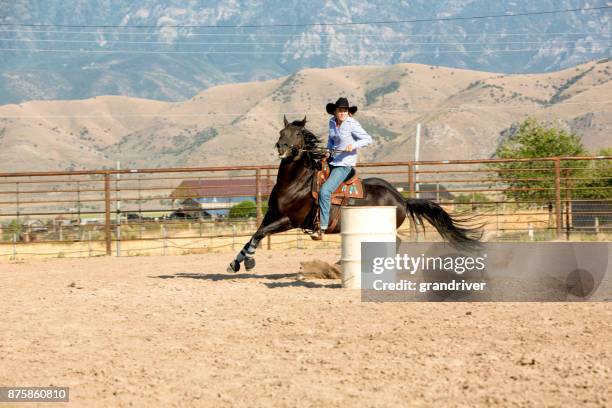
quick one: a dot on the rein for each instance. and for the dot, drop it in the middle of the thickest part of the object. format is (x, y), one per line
(319, 150)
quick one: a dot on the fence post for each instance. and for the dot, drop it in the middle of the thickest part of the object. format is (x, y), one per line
(107, 204)
(413, 228)
(411, 180)
(258, 196)
(558, 209)
(118, 212)
(164, 243)
(17, 200)
(568, 199)
(498, 231)
(14, 246)
(233, 237)
(118, 237)
(268, 190)
(139, 198)
(413, 194)
(78, 183)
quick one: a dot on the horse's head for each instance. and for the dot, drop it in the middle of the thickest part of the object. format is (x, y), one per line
(291, 140)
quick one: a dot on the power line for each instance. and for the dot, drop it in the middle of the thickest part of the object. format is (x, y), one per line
(350, 23)
(289, 52)
(403, 110)
(272, 43)
(301, 34)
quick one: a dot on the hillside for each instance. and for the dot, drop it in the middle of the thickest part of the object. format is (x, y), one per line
(463, 115)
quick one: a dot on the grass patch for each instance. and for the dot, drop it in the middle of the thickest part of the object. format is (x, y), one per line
(182, 144)
(378, 132)
(374, 94)
(473, 85)
(558, 97)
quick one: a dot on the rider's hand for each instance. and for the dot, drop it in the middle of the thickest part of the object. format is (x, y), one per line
(327, 154)
(349, 148)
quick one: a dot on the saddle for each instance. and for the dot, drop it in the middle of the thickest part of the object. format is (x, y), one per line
(351, 187)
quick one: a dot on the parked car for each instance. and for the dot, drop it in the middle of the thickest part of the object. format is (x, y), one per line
(137, 217)
(182, 214)
(91, 221)
(35, 226)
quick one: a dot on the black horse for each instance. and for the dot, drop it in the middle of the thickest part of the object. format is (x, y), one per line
(291, 204)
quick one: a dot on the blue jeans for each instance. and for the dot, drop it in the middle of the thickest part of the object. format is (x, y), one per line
(336, 177)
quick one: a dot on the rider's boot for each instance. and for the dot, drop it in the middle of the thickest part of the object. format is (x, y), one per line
(318, 235)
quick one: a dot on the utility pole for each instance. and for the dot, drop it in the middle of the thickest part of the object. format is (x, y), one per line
(417, 155)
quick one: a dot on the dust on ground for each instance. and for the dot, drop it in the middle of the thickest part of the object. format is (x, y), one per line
(180, 331)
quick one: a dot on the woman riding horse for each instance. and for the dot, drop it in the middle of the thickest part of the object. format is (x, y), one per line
(345, 136)
(292, 205)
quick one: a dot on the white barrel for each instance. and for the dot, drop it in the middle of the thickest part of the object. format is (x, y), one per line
(363, 224)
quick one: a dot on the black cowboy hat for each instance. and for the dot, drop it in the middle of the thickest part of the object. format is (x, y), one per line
(340, 103)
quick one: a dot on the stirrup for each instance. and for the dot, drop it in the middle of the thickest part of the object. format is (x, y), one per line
(317, 235)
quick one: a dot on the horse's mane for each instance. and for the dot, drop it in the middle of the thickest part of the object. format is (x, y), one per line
(311, 143)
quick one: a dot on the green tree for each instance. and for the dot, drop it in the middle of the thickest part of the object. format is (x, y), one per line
(595, 181)
(466, 202)
(535, 180)
(12, 227)
(247, 209)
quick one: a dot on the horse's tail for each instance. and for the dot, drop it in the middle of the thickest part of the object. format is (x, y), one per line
(452, 228)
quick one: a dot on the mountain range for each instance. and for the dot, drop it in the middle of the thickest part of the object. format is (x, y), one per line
(171, 50)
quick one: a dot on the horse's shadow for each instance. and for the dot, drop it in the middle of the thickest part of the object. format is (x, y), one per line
(225, 276)
(272, 276)
(302, 284)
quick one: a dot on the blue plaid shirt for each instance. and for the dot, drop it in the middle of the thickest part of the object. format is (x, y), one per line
(349, 133)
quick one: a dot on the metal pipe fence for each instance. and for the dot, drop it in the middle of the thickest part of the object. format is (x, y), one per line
(121, 212)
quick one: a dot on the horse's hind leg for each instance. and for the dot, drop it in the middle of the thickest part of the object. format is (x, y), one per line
(247, 253)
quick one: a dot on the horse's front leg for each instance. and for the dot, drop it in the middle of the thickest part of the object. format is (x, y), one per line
(247, 253)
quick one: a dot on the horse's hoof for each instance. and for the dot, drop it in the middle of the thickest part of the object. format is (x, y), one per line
(249, 263)
(233, 267)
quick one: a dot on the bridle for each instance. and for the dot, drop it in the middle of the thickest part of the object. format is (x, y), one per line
(321, 150)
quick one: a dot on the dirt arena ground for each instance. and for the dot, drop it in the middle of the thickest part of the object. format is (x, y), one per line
(180, 331)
